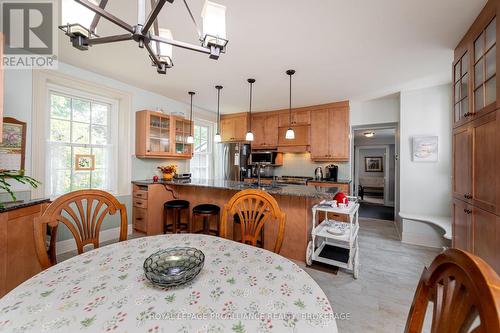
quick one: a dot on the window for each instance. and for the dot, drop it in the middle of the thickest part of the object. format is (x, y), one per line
(79, 127)
(202, 159)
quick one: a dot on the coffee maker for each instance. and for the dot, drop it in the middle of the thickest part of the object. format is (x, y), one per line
(332, 172)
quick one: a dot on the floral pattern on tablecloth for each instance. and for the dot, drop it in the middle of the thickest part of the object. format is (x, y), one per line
(240, 289)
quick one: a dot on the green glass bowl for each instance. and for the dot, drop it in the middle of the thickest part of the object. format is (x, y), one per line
(173, 267)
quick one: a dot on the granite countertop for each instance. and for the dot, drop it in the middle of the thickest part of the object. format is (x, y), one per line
(8, 206)
(339, 181)
(279, 189)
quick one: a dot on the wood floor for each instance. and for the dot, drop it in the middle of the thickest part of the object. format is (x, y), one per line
(380, 299)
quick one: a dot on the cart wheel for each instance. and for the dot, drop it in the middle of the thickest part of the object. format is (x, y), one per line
(309, 253)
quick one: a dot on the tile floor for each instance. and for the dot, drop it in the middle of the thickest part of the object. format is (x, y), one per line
(389, 272)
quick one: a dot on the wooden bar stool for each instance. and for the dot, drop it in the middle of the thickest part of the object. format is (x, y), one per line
(206, 211)
(177, 207)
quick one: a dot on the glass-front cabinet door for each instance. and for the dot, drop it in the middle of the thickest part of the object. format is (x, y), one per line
(461, 88)
(485, 88)
(159, 135)
(182, 131)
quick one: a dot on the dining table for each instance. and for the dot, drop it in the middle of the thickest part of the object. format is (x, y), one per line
(240, 288)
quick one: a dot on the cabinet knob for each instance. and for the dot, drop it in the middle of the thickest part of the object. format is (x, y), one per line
(468, 196)
(467, 211)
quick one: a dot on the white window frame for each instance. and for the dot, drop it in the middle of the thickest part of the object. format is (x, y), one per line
(210, 143)
(43, 80)
(112, 119)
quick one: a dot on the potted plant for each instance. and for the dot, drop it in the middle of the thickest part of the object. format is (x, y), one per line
(168, 171)
(17, 176)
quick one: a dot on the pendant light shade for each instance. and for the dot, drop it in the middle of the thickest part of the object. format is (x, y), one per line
(77, 17)
(190, 138)
(249, 136)
(217, 137)
(290, 134)
(214, 24)
(165, 51)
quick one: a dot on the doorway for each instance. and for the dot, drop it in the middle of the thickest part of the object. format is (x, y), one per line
(375, 171)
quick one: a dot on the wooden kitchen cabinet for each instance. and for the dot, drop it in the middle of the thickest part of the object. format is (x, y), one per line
(265, 130)
(476, 142)
(475, 87)
(162, 136)
(477, 231)
(330, 134)
(462, 162)
(299, 117)
(301, 137)
(476, 161)
(485, 236)
(462, 229)
(234, 127)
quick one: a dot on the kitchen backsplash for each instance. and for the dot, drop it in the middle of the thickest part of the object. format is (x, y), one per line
(300, 164)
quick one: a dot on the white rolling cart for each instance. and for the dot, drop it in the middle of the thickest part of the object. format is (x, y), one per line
(335, 242)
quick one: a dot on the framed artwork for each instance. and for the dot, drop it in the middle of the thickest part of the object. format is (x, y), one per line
(374, 164)
(425, 149)
(13, 145)
(84, 162)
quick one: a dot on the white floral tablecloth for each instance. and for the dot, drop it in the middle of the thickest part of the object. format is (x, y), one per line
(240, 289)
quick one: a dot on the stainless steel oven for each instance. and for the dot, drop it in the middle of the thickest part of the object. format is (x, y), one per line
(263, 157)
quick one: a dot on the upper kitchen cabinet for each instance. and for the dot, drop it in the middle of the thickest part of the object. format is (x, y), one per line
(475, 86)
(299, 144)
(330, 133)
(265, 130)
(233, 127)
(298, 117)
(161, 136)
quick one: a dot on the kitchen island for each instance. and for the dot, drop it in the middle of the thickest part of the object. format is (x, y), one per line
(295, 200)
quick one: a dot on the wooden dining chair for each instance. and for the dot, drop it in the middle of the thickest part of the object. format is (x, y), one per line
(254, 208)
(465, 294)
(83, 213)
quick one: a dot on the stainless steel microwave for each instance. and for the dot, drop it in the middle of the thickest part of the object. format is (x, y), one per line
(263, 157)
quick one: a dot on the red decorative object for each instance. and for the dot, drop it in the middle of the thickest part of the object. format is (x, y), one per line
(341, 198)
(155, 179)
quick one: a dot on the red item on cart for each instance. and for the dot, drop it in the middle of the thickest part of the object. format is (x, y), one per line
(341, 198)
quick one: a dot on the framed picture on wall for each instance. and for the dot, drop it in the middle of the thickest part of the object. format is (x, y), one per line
(13, 145)
(374, 164)
(425, 149)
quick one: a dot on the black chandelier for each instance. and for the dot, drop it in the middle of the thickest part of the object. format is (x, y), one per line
(79, 24)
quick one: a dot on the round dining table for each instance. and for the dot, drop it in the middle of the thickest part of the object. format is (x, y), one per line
(240, 289)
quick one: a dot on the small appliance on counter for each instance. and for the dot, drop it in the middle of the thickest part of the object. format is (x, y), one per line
(332, 172)
(182, 176)
(318, 173)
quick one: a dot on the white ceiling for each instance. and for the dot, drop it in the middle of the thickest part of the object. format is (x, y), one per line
(340, 49)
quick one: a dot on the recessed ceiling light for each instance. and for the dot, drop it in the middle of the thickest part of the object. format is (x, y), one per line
(369, 134)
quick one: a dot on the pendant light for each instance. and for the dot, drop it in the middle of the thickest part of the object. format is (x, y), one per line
(290, 134)
(217, 137)
(249, 136)
(190, 138)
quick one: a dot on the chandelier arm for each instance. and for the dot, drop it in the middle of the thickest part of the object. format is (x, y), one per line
(153, 15)
(106, 15)
(95, 21)
(153, 55)
(109, 39)
(193, 19)
(182, 45)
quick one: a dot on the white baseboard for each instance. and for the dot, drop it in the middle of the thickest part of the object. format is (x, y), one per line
(69, 245)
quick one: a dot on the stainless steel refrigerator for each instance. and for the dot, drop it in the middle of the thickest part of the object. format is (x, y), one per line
(235, 160)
